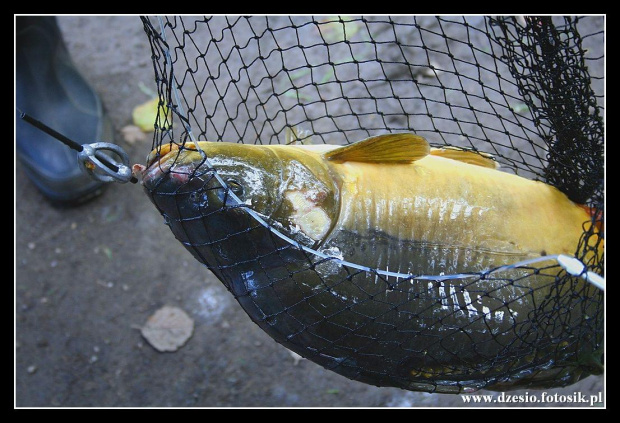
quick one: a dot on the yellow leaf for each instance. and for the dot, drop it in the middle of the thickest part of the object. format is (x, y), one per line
(145, 114)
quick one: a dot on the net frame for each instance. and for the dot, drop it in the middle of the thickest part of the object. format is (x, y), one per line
(544, 133)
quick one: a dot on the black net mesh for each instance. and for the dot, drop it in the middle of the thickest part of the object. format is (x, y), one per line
(527, 90)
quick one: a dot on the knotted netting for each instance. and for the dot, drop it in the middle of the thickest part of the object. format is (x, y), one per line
(526, 90)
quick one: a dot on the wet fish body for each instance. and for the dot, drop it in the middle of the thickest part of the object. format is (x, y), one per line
(392, 203)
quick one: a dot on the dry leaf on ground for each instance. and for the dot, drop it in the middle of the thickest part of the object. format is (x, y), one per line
(168, 329)
(132, 134)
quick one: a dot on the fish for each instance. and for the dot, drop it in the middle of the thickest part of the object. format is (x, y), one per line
(389, 261)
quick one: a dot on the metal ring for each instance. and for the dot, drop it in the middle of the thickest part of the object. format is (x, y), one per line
(93, 163)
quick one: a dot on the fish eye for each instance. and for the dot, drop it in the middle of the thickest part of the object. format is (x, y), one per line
(235, 187)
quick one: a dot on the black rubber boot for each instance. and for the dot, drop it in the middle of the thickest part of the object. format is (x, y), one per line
(50, 89)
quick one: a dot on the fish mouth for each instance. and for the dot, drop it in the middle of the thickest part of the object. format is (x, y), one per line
(162, 154)
(161, 161)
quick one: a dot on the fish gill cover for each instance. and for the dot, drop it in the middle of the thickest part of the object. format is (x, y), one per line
(374, 303)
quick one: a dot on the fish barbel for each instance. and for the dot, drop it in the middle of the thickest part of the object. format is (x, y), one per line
(388, 202)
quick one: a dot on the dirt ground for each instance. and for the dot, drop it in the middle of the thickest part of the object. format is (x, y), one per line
(88, 278)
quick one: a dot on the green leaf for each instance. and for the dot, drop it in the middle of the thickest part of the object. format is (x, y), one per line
(108, 252)
(336, 30)
(520, 107)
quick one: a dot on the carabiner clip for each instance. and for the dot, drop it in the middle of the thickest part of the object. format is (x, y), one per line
(101, 166)
(90, 159)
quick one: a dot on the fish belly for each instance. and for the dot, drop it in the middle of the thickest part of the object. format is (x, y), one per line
(437, 218)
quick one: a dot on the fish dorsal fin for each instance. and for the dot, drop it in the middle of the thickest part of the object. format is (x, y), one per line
(388, 148)
(467, 156)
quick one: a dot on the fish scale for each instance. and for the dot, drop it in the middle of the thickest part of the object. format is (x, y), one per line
(433, 192)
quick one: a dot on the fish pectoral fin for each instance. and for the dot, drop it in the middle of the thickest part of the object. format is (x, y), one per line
(388, 148)
(465, 155)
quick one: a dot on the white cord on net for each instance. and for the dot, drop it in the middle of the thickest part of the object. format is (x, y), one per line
(576, 268)
(572, 265)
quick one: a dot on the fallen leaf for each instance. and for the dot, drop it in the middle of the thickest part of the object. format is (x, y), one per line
(168, 329)
(132, 134)
(145, 114)
(338, 31)
(108, 252)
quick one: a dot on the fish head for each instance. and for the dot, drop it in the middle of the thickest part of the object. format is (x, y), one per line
(208, 177)
(218, 182)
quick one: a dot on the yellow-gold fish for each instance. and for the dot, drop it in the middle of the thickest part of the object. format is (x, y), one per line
(390, 202)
